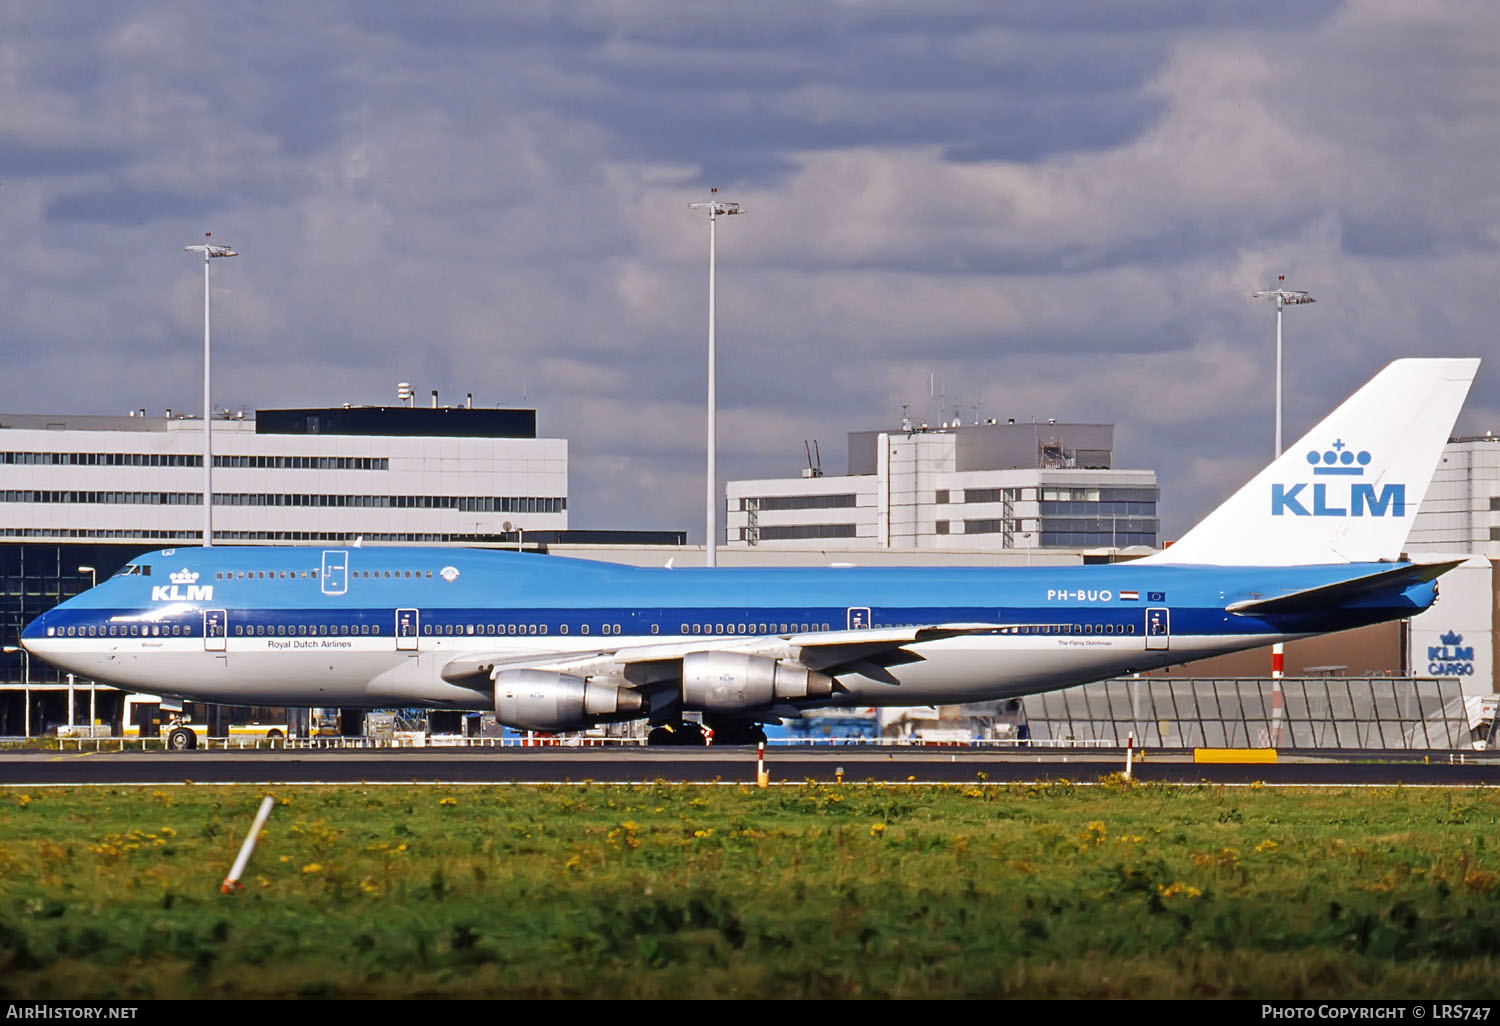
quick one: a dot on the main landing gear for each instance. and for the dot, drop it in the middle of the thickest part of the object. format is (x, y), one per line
(724, 732)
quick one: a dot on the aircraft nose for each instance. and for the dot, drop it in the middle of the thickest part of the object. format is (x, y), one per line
(35, 631)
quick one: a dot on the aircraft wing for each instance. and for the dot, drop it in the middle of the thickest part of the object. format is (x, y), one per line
(1344, 592)
(853, 651)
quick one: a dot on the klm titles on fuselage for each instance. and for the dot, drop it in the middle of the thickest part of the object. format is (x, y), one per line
(184, 588)
(1336, 498)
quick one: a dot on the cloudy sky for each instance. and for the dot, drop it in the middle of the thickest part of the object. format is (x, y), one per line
(1060, 209)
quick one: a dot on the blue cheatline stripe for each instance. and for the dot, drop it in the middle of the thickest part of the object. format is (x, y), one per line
(1125, 621)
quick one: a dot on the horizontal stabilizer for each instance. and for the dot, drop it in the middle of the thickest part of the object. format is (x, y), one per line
(1344, 593)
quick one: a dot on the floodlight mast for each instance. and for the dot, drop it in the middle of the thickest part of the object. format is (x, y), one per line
(26, 681)
(716, 208)
(1284, 297)
(210, 252)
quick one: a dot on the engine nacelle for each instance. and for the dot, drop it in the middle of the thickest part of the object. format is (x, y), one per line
(729, 682)
(543, 700)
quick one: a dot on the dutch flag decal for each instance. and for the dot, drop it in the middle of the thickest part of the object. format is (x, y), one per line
(1130, 596)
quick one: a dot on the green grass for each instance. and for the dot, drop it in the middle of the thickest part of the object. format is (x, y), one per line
(823, 891)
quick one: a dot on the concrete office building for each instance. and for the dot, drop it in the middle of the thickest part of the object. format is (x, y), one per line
(981, 488)
(387, 474)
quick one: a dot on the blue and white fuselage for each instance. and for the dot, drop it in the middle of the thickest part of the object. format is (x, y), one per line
(557, 643)
(263, 625)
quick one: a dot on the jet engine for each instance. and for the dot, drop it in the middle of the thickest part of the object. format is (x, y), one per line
(544, 700)
(727, 682)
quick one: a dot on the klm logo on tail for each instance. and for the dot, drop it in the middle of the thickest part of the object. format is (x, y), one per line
(1338, 498)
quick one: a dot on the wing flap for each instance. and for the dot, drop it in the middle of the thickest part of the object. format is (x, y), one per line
(649, 663)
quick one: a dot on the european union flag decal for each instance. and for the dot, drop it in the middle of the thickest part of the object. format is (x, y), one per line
(1156, 596)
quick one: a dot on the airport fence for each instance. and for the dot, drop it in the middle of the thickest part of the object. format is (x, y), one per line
(1307, 713)
(1224, 712)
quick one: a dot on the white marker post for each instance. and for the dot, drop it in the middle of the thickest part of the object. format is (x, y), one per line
(762, 777)
(1129, 752)
(232, 881)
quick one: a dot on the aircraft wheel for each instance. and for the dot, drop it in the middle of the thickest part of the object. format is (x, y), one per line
(273, 734)
(182, 740)
(738, 732)
(690, 734)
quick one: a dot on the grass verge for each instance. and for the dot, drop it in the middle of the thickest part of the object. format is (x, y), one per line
(813, 891)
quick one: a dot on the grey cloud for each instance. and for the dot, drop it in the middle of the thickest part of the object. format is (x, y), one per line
(122, 206)
(1064, 205)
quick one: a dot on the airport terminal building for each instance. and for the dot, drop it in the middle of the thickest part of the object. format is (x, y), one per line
(986, 488)
(387, 474)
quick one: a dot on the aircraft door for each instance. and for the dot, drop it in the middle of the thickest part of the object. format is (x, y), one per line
(859, 618)
(1158, 628)
(335, 576)
(215, 630)
(406, 630)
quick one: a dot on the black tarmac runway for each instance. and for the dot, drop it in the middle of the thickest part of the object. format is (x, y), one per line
(725, 766)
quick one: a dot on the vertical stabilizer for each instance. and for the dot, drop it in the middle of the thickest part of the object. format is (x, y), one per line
(1347, 491)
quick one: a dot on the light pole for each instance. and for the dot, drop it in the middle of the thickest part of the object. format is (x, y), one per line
(25, 680)
(209, 251)
(93, 684)
(1283, 297)
(715, 207)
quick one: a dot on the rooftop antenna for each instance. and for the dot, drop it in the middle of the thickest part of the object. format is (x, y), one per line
(814, 460)
(938, 396)
(978, 402)
(906, 417)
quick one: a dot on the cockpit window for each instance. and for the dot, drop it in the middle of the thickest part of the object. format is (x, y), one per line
(134, 569)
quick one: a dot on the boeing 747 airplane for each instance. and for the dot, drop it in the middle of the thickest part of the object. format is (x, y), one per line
(1311, 545)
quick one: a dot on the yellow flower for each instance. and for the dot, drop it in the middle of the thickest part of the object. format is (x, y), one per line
(312, 867)
(448, 801)
(1180, 888)
(876, 829)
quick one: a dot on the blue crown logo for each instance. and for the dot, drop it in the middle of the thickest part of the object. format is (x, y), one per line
(1339, 460)
(1451, 638)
